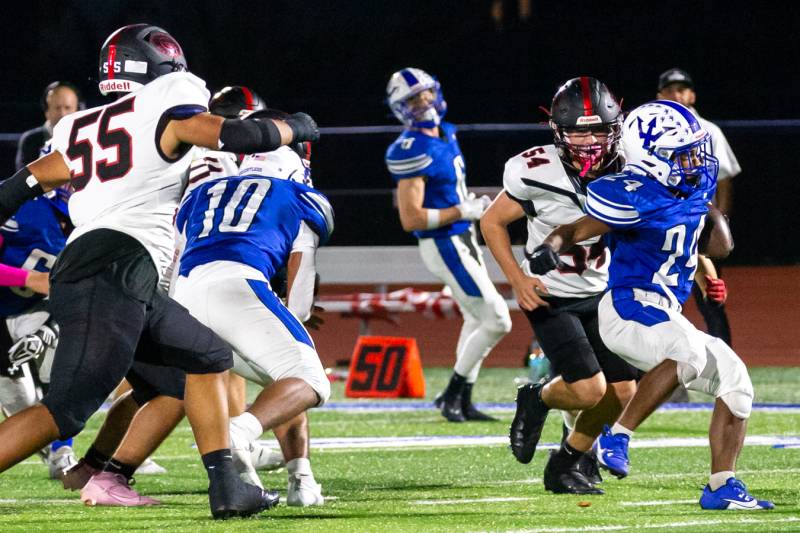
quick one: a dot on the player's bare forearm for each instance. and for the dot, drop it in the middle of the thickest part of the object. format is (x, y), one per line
(205, 129)
(414, 217)
(704, 268)
(567, 235)
(50, 171)
(494, 228)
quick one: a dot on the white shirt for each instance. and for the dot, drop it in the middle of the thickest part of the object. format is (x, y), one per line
(537, 177)
(141, 188)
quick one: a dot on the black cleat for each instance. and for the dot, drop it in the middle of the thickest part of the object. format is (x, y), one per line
(471, 413)
(232, 497)
(526, 428)
(566, 478)
(450, 407)
(589, 467)
(468, 408)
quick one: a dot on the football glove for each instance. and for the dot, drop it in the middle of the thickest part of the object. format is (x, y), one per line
(34, 345)
(303, 128)
(716, 290)
(543, 259)
(472, 208)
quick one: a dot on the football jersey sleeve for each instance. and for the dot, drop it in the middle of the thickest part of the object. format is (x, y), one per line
(611, 200)
(317, 213)
(409, 157)
(184, 96)
(512, 180)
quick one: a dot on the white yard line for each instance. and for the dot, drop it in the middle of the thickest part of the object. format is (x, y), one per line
(657, 503)
(734, 521)
(470, 500)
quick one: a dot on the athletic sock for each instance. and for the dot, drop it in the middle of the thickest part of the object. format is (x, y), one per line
(219, 464)
(619, 428)
(455, 386)
(248, 423)
(118, 467)
(717, 480)
(301, 465)
(95, 458)
(56, 444)
(568, 454)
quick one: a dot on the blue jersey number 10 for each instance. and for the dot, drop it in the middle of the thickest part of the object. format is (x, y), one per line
(235, 217)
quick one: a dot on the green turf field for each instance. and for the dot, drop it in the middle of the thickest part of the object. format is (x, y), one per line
(434, 488)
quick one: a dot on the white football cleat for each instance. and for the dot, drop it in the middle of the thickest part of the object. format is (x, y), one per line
(60, 460)
(304, 491)
(149, 468)
(265, 458)
(241, 450)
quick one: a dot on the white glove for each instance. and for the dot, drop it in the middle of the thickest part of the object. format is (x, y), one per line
(33, 345)
(472, 208)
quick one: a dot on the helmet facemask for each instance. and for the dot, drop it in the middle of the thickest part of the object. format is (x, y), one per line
(691, 167)
(592, 157)
(404, 96)
(413, 112)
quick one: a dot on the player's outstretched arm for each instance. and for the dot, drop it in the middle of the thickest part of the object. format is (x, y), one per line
(494, 227)
(240, 136)
(44, 174)
(545, 256)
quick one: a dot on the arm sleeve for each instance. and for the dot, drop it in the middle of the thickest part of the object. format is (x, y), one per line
(12, 276)
(608, 202)
(408, 158)
(301, 293)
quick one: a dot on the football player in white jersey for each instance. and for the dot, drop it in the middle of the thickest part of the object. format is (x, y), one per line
(126, 162)
(548, 185)
(427, 166)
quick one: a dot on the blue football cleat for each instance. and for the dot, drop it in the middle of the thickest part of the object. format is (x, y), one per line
(732, 496)
(611, 451)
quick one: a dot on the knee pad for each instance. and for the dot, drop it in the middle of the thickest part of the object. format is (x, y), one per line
(308, 368)
(725, 377)
(739, 403)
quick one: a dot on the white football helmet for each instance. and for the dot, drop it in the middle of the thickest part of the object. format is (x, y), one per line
(283, 163)
(657, 134)
(407, 83)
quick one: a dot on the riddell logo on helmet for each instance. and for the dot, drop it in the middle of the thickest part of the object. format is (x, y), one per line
(117, 86)
(592, 119)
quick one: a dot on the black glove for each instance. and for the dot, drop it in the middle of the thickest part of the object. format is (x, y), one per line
(543, 259)
(303, 128)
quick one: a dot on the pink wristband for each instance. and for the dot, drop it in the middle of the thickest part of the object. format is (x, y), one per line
(12, 276)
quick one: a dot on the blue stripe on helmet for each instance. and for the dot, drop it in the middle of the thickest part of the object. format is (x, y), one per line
(411, 80)
(685, 113)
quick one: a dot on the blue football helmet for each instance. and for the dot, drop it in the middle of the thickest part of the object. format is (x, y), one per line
(664, 139)
(403, 86)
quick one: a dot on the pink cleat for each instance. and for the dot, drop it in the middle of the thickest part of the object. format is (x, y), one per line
(78, 476)
(106, 488)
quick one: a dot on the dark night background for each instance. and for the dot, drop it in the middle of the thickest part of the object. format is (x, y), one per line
(332, 60)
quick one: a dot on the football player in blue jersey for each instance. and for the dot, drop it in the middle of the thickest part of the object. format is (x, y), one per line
(238, 232)
(427, 166)
(29, 244)
(652, 214)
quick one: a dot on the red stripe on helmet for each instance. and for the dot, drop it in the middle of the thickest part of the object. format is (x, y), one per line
(112, 55)
(588, 110)
(248, 98)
